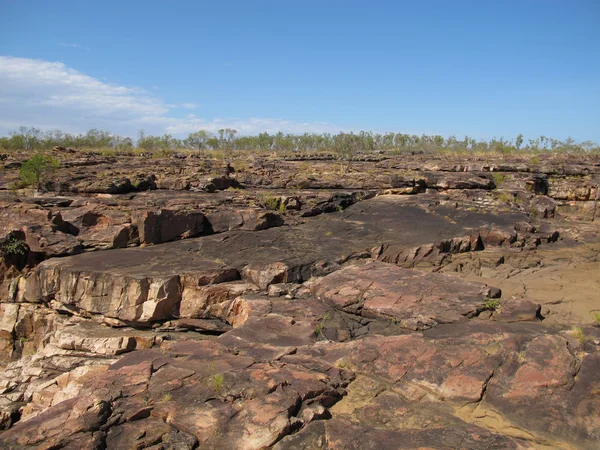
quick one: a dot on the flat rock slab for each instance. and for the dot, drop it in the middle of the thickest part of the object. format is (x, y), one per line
(412, 298)
(146, 284)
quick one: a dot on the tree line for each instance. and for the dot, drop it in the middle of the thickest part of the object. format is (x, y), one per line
(229, 139)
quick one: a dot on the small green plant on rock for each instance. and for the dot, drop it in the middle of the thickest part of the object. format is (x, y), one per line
(167, 397)
(533, 212)
(217, 382)
(343, 363)
(504, 197)
(14, 247)
(596, 317)
(498, 178)
(579, 334)
(271, 202)
(491, 304)
(321, 325)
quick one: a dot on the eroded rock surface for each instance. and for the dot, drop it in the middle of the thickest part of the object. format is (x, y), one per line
(415, 302)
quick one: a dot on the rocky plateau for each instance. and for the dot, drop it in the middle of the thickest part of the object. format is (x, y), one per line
(439, 301)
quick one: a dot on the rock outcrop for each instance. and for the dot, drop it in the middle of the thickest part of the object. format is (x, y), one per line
(418, 301)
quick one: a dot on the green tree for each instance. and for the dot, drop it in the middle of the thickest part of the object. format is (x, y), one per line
(346, 145)
(226, 138)
(36, 171)
(198, 140)
(519, 141)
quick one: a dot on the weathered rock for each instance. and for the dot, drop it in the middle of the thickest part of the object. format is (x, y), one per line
(414, 299)
(58, 426)
(127, 287)
(45, 233)
(165, 225)
(247, 219)
(518, 310)
(313, 348)
(9, 314)
(101, 228)
(203, 325)
(198, 301)
(544, 207)
(459, 181)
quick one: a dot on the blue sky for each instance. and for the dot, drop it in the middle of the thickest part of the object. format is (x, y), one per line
(480, 68)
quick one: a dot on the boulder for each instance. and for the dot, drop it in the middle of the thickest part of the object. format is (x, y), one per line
(166, 225)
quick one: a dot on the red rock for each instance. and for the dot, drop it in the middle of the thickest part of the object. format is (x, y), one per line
(383, 290)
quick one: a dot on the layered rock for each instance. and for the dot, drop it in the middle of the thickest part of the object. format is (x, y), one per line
(130, 287)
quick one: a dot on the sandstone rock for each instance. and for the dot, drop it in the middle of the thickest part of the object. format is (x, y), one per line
(9, 315)
(56, 426)
(198, 300)
(203, 325)
(264, 275)
(246, 219)
(314, 348)
(127, 287)
(100, 228)
(106, 186)
(243, 307)
(381, 290)
(577, 189)
(497, 236)
(77, 337)
(518, 310)
(544, 207)
(166, 225)
(459, 181)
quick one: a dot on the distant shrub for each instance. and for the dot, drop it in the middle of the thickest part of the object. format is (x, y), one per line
(271, 202)
(498, 178)
(535, 160)
(35, 171)
(506, 198)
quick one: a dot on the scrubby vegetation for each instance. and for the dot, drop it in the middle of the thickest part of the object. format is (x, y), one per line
(13, 247)
(579, 334)
(35, 171)
(491, 304)
(344, 144)
(271, 202)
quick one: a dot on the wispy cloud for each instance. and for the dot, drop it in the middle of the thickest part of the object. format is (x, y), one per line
(66, 44)
(49, 94)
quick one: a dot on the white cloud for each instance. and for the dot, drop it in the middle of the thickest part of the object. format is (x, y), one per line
(52, 95)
